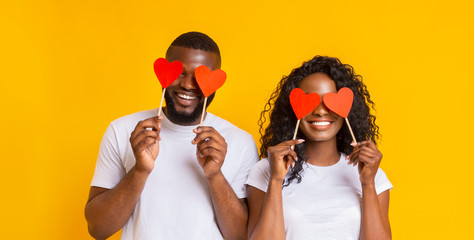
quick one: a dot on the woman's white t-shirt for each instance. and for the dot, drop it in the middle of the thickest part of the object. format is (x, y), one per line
(327, 202)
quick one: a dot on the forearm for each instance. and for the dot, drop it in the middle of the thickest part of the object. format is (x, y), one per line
(230, 212)
(373, 226)
(271, 222)
(109, 211)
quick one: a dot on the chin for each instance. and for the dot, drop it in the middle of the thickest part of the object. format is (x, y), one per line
(321, 138)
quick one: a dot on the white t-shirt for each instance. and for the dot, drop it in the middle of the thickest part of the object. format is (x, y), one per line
(175, 202)
(327, 202)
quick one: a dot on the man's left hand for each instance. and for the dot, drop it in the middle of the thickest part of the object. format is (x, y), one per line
(211, 150)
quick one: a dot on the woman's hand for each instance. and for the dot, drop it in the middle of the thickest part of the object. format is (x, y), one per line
(368, 156)
(281, 157)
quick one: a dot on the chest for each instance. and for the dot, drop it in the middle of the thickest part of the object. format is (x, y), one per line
(323, 203)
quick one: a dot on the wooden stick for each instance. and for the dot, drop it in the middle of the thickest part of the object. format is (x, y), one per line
(161, 104)
(203, 111)
(350, 129)
(296, 130)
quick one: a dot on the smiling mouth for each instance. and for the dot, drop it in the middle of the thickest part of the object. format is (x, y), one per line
(320, 123)
(186, 97)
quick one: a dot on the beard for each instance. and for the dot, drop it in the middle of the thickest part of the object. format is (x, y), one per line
(184, 118)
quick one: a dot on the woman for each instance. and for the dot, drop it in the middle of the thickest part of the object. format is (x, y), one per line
(319, 186)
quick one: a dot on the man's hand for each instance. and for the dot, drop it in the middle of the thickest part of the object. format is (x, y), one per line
(211, 149)
(145, 143)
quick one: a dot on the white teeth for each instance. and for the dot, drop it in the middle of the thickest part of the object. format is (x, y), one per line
(321, 123)
(186, 97)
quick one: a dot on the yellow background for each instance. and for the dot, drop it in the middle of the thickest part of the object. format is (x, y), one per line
(68, 68)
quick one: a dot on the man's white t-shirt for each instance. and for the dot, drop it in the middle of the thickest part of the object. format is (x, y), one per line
(327, 202)
(175, 202)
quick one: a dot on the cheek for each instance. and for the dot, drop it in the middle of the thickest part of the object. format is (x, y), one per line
(339, 124)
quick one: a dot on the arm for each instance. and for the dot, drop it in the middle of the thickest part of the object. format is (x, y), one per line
(266, 210)
(375, 223)
(231, 213)
(107, 210)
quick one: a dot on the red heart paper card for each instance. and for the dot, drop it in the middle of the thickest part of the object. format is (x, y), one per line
(303, 103)
(340, 102)
(209, 81)
(167, 72)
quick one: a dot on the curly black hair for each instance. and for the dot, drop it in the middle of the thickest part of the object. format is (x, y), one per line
(283, 120)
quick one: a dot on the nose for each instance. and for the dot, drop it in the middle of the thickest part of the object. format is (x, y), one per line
(321, 110)
(188, 82)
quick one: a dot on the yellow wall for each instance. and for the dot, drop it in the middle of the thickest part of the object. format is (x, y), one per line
(68, 68)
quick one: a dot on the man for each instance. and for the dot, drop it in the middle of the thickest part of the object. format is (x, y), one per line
(164, 177)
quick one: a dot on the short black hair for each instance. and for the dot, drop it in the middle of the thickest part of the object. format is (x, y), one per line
(197, 40)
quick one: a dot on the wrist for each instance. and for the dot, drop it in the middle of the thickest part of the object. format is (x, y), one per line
(215, 176)
(276, 180)
(141, 172)
(368, 185)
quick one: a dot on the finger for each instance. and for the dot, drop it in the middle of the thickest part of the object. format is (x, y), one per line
(367, 161)
(210, 143)
(368, 153)
(141, 146)
(350, 157)
(291, 142)
(362, 143)
(369, 150)
(371, 144)
(354, 159)
(208, 133)
(144, 134)
(154, 123)
(211, 153)
(211, 130)
(289, 161)
(293, 155)
(283, 151)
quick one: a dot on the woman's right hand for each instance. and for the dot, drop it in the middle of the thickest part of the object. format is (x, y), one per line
(281, 157)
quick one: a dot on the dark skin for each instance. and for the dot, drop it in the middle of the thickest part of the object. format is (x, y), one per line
(266, 209)
(107, 210)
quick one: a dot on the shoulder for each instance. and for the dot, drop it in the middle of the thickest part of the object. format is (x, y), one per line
(262, 165)
(381, 182)
(226, 128)
(131, 120)
(259, 175)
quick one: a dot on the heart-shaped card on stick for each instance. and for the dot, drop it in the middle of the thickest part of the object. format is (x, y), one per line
(167, 73)
(341, 103)
(208, 81)
(303, 104)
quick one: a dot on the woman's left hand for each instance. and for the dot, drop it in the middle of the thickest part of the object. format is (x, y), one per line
(368, 156)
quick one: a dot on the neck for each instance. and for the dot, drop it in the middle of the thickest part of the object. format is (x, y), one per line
(322, 153)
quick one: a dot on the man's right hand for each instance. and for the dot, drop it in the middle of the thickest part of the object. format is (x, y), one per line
(145, 143)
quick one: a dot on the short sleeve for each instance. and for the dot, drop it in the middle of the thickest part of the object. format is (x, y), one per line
(259, 176)
(109, 169)
(381, 182)
(250, 157)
